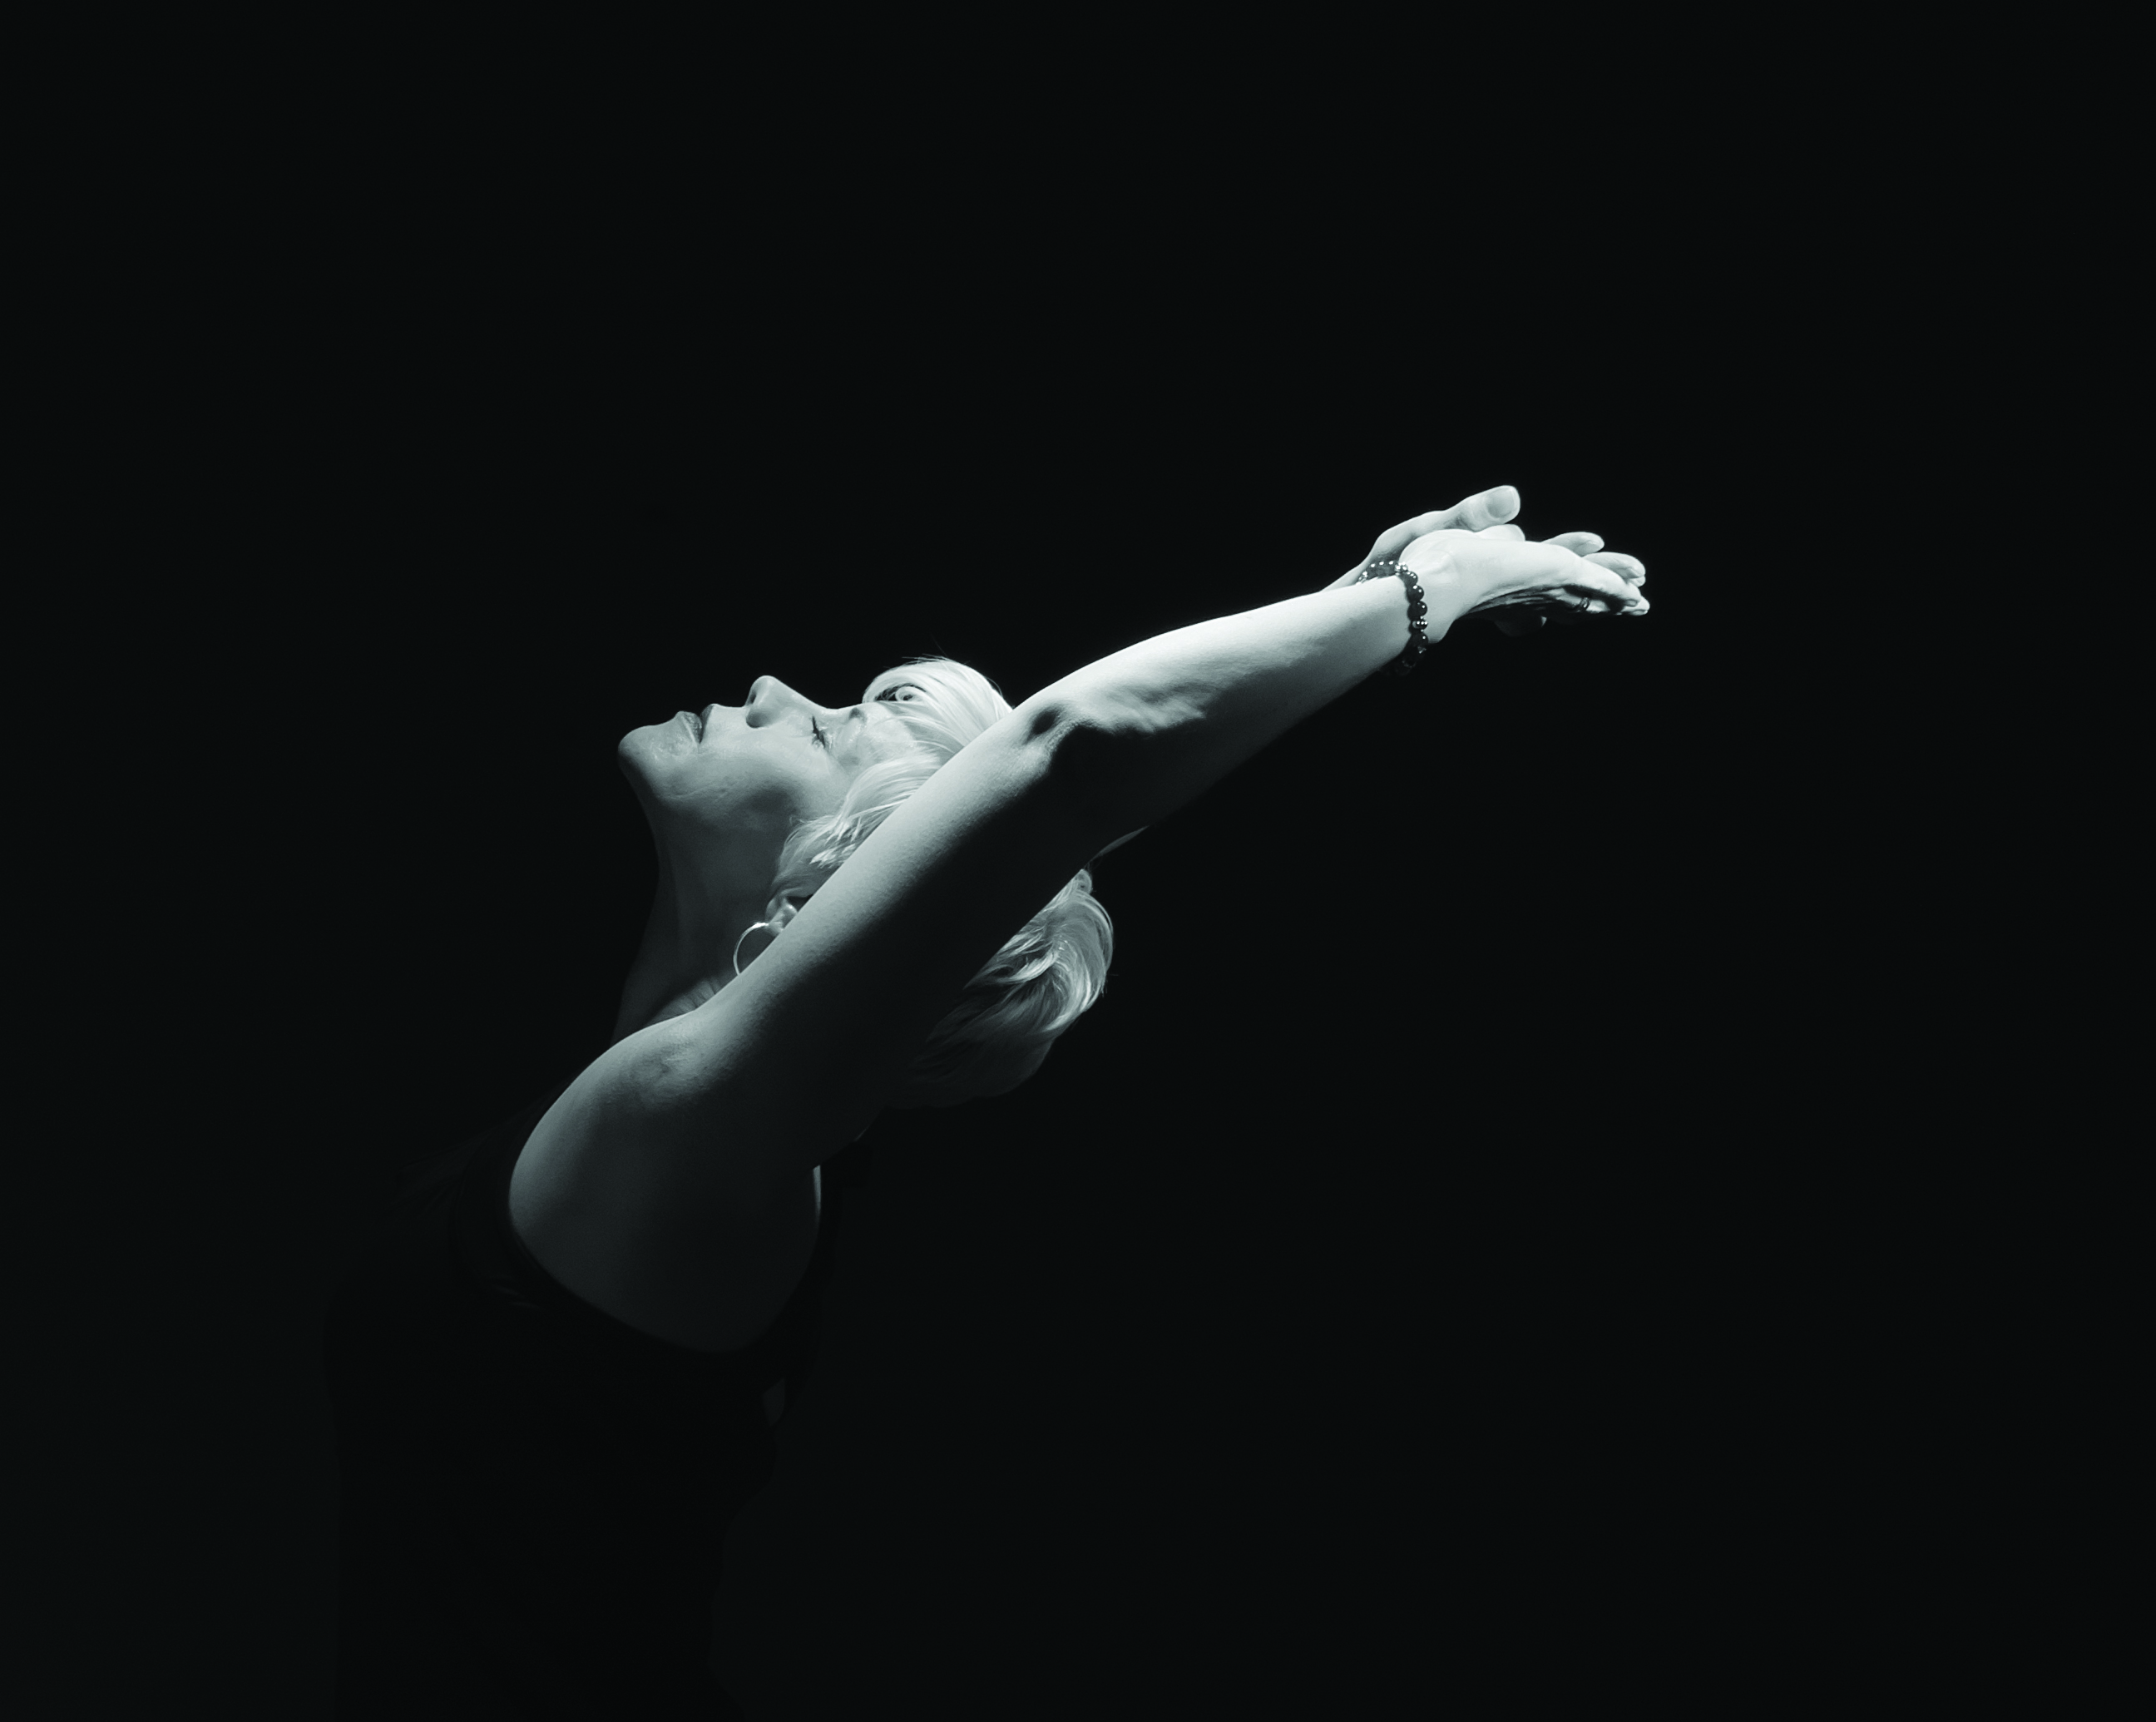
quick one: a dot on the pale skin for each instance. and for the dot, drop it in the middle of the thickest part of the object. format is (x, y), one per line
(719, 805)
(1471, 560)
(722, 789)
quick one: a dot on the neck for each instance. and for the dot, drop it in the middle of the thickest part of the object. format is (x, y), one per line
(685, 957)
(649, 998)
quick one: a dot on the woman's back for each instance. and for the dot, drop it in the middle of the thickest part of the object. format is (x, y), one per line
(709, 1276)
(534, 1495)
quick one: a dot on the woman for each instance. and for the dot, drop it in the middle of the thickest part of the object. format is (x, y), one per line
(556, 1372)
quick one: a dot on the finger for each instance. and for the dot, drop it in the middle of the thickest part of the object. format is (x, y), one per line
(1594, 590)
(1503, 532)
(1394, 539)
(1408, 531)
(1483, 509)
(1578, 543)
(1630, 567)
(1486, 508)
(1606, 589)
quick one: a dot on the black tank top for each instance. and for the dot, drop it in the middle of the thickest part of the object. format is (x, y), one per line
(533, 1496)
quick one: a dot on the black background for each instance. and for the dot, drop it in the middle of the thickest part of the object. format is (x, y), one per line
(1456, 1251)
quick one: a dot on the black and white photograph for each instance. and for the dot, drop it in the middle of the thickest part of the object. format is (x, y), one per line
(980, 931)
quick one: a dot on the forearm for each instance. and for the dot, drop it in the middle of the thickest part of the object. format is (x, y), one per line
(1176, 713)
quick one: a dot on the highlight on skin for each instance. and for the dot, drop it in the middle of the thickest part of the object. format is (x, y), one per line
(1046, 975)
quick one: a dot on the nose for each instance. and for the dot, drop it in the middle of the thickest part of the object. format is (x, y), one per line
(777, 693)
(765, 687)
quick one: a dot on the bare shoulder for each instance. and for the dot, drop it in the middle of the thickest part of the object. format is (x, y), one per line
(665, 1242)
(788, 1062)
(676, 1176)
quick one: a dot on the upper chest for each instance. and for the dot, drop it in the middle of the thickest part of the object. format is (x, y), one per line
(666, 1256)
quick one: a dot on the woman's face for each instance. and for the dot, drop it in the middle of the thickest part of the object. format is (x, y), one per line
(723, 787)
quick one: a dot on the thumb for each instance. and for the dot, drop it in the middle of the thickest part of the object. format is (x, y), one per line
(1488, 507)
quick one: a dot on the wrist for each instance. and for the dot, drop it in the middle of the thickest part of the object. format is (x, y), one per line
(1445, 591)
(1425, 615)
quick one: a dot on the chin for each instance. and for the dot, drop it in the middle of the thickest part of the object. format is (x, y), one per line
(633, 754)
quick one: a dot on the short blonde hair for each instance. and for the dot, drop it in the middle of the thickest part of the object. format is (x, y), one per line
(1048, 975)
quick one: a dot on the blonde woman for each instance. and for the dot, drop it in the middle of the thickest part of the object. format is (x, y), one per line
(556, 1371)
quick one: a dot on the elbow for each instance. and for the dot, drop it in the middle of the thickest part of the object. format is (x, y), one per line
(1093, 758)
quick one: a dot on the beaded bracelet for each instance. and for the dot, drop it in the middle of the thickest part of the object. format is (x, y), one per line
(1418, 642)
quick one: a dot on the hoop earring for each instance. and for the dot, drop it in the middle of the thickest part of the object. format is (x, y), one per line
(738, 944)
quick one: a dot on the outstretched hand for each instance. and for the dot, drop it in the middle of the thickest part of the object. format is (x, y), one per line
(1571, 574)
(1523, 589)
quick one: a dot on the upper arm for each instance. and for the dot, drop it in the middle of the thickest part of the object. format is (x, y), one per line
(785, 1064)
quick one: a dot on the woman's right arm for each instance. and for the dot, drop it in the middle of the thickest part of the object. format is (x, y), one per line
(1157, 723)
(1160, 722)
